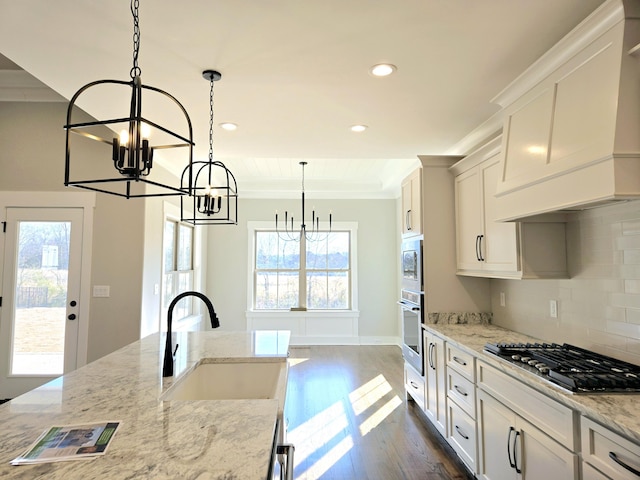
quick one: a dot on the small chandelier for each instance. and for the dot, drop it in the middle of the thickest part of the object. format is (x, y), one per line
(309, 235)
(212, 187)
(132, 151)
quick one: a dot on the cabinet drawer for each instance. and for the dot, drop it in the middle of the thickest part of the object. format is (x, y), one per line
(462, 435)
(550, 416)
(414, 384)
(461, 361)
(462, 391)
(600, 448)
(590, 473)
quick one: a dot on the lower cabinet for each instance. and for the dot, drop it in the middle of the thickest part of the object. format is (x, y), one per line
(435, 392)
(462, 435)
(414, 385)
(606, 454)
(512, 448)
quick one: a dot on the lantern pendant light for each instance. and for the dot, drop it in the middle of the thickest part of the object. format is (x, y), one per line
(312, 234)
(212, 187)
(131, 151)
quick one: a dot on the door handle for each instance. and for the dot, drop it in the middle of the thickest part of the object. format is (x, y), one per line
(431, 349)
(72, 316)
(511, 463)
(481, 258)
(515, 451)
(407, 219)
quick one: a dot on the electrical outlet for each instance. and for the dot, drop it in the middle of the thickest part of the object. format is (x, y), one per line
(503, 301)
(553, 308)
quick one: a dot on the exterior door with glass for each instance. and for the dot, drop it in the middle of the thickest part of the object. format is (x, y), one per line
(39, 317)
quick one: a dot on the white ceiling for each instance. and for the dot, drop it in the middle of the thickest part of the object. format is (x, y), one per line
(295, 75)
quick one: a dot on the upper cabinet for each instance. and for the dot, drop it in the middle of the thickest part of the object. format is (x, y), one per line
(488, 248)
(412, 204)
(571, 120)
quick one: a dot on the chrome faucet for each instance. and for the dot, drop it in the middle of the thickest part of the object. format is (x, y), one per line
(167, 367)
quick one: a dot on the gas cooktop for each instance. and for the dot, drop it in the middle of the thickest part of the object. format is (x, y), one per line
(571, 368)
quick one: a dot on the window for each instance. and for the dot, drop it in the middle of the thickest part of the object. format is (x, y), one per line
(178, 266)
(302, 273)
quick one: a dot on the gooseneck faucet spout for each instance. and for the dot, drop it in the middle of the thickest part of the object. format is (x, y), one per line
(167, 367)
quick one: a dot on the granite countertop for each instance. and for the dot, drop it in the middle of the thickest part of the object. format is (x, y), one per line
(617, 412)
(212, 440)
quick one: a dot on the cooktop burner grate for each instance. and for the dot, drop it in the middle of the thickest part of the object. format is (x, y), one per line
(572, 368)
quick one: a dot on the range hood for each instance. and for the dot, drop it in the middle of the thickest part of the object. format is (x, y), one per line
(571, 132)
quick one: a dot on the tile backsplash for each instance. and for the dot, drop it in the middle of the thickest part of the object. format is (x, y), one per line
(599, 306)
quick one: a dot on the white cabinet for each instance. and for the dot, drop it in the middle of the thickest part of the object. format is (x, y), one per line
(512, 448)
(414, 385)
(412, 204)
(461, 394)
(521, 432)
(488, 248)
(569, 139)
(611, 455)
(435, 372)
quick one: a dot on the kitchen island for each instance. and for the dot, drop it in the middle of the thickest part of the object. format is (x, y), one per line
(203, 439)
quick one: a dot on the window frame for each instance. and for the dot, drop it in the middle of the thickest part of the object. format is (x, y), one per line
(185, 304)
(350, 227)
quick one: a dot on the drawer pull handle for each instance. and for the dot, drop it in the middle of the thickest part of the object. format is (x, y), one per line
(413, 384)
(461, 433)
(615, 458)
(460, 361)
(460, 391)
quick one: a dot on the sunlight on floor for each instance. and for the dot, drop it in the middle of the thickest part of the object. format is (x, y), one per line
(377, 417)
(368, 394)
(328, 426)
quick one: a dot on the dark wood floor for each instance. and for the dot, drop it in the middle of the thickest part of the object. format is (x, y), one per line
(348, 419)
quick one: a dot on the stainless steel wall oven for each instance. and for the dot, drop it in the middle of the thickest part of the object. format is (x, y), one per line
(411, 304)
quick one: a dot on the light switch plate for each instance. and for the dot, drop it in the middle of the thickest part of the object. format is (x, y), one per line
(553, 308)
(101, 291)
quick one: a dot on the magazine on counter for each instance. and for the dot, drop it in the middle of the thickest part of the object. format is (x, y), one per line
(69, 442)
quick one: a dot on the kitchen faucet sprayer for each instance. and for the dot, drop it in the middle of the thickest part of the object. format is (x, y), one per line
(167, 367)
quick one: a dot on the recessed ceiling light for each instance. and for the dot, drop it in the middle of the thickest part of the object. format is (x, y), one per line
(358, 128)
(229, 126)
(383, 69)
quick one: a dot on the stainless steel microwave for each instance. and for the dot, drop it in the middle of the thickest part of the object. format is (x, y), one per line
(412, 265)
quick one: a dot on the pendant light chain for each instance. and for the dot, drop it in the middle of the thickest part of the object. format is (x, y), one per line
(211, 122)
(135, 70)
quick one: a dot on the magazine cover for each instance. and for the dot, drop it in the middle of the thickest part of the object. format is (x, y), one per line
(70, 442)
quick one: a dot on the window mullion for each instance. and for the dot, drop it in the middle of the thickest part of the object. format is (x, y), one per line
(302, 277)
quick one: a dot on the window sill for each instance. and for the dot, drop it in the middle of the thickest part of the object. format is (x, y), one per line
(303, 313)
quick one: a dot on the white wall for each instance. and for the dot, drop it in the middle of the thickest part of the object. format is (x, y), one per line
(32, 159)
(599, 307)
(377, 264)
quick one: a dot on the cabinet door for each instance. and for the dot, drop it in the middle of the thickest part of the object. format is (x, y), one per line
(416, 202)
(499, 246)
(435, 397)
(538, 456)
(468, 220)
(412, 204)
(496, 439)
